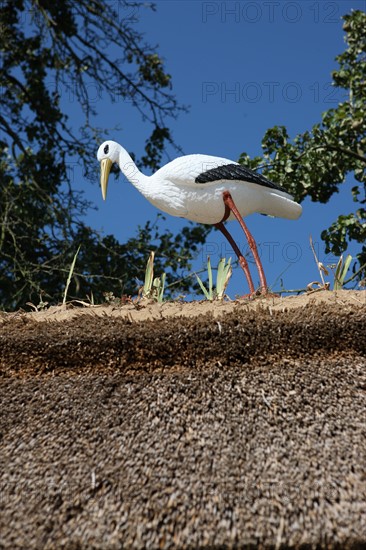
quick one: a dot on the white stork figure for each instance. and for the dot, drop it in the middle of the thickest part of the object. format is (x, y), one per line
(207, 190)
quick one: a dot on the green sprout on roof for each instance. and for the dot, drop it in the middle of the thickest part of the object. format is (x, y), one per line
(224, 272)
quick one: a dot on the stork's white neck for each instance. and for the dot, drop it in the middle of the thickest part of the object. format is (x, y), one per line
(132, 173)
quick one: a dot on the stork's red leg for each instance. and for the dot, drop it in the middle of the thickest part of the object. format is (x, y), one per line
(242, 261)
(230, 204)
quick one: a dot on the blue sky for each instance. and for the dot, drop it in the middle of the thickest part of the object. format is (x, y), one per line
(241, 67)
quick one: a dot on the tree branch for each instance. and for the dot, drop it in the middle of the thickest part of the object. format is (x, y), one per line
(332, 148)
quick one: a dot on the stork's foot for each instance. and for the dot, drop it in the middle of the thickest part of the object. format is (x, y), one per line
(260, 293)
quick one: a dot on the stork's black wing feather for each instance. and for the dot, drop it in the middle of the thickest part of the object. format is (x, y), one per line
(236, 172)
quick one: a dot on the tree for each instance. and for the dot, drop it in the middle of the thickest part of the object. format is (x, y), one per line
(49, 47)
(315, 163)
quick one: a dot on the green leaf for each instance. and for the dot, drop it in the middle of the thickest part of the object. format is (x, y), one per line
(341, 272)
(205, 292)
(210, 282)
(149, 274)
(72, 267)
(224, 272)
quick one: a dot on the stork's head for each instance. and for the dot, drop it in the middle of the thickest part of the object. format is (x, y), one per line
(108, 153)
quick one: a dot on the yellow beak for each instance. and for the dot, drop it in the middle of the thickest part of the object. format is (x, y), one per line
(105, 168)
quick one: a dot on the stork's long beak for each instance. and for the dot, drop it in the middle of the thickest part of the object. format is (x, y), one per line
(105, 168)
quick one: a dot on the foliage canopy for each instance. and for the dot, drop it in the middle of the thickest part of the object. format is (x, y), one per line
(53, 47)
(315, 163)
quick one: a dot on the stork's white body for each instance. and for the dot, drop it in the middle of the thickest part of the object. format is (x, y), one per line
(174, 188)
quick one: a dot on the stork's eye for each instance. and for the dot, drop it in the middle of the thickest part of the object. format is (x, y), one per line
(106, 149)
